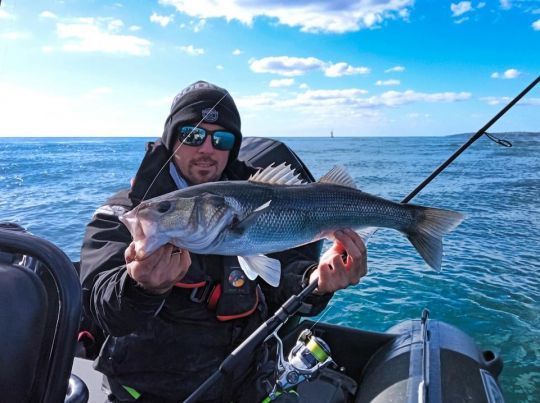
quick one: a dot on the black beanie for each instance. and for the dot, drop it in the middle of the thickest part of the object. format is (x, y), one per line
(204, 102)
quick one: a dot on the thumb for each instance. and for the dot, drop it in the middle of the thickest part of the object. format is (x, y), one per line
(129, 253)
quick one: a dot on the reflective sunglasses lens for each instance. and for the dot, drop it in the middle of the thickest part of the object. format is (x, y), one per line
(223, 140)
(191, 136)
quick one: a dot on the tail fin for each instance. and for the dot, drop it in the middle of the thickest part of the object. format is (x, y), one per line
(427, 235)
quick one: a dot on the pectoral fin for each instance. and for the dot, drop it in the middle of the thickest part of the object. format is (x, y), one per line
(260, 265)
(240, 226)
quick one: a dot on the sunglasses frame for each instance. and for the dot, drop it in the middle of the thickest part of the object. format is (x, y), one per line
(193, 129)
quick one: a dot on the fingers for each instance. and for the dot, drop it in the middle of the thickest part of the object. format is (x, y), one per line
(344, 264)
(159, 271)
(351, 243)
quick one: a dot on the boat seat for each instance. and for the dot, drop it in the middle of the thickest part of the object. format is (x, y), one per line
(40, 305)
(22, 329)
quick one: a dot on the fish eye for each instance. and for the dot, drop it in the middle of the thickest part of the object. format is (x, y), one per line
(164, 206)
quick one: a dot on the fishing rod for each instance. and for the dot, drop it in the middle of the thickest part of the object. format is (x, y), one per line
(294, 303)
(469, 142)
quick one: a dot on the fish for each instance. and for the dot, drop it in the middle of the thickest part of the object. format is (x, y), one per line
(274, 210)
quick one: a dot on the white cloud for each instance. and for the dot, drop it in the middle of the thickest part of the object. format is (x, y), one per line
(343, 69)
(134, 28)
(162, 20)
(265, 99)
(536, 25)
(505, 100)
(197, 26)
(344, 102)
(460, 8)
(387, 82)
(309, 16)
(4, 15)
(237, 52)
(505, 4)
(330, 96)
(48, 15)
(395, 69)
(115, 25)
(15, 36)
(220, 67)
(285, 65)
(507, 75)
(283, 82)
(296, 66)
(394, 98)
(73, 115)
(191, 50)
(100, 35)
(194, 25)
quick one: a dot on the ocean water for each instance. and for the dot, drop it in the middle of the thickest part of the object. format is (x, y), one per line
(490, 283)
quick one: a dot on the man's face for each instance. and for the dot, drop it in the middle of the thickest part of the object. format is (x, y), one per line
(201, 164)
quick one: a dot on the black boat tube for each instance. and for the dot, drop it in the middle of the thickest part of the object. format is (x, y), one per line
(293, 304)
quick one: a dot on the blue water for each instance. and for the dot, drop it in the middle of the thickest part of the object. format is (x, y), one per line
(490, 282)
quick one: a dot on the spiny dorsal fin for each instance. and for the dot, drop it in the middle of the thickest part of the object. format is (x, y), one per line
(280, 175)
(338, 176)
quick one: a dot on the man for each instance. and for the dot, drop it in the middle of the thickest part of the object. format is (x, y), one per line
(171, 318)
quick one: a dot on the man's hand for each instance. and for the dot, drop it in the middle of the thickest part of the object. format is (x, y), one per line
(344, 264)
(158, 273)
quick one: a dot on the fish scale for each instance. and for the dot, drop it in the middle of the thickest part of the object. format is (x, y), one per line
(262, 216)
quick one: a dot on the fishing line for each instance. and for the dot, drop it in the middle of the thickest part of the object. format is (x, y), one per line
(325, 312)
(181, 144)
(501, 142)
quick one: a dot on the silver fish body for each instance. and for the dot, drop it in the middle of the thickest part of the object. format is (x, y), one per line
(248, 218)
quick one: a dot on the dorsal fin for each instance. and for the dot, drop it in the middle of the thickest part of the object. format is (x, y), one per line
(280, 175)
(338, 176)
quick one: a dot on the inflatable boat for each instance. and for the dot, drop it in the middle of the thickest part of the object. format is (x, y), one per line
(418, 360)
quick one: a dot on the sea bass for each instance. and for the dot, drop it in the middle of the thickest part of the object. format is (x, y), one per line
(274, 211)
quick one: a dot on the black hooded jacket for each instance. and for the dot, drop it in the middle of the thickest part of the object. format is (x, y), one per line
(167, 345)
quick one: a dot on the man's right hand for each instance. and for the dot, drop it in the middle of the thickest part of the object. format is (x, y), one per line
(158, 272)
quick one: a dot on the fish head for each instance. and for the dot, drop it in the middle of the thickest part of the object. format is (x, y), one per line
(190, 222)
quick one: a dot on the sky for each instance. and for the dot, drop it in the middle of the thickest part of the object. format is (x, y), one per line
(294, 67)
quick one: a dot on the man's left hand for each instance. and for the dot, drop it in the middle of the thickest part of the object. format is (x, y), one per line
(344, 264)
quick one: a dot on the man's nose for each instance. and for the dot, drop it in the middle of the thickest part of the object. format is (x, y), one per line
(207, 146)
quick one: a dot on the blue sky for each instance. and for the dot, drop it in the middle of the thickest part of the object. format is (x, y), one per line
(295, 68)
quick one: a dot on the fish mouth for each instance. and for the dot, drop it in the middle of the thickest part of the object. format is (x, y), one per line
(142, 231)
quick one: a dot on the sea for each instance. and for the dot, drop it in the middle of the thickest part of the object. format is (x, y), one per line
(489, 285)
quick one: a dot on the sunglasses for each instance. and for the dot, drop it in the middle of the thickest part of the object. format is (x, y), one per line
(195, 136)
